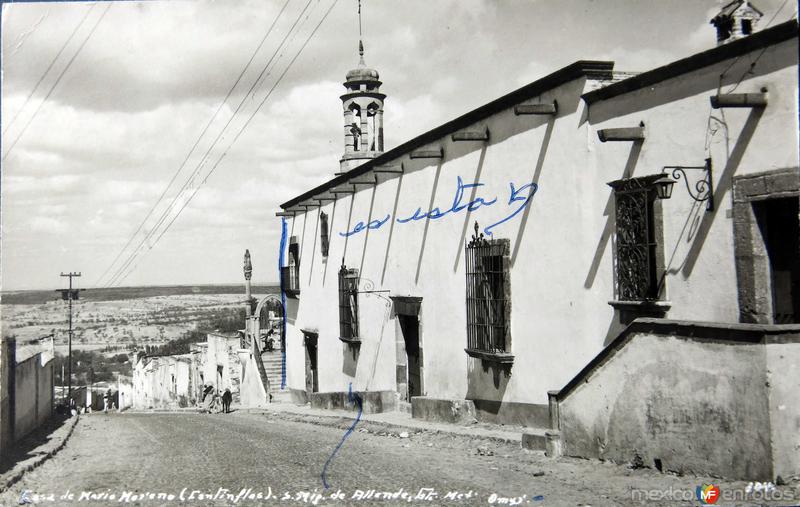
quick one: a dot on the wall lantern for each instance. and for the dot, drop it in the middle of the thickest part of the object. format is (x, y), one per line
(703, 188)
(664, 187)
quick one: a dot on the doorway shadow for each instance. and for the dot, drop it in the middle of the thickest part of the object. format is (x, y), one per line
(350, 355)
(722, 187)
(534, 180)
(434, 187)
(473, 194)
(330, 238)
(349, 219)
(487, 382)
(391, 226)
(314, 247)
(605, 235)
(366, 233)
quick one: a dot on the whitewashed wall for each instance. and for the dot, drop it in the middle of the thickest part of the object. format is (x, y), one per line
(561, 276)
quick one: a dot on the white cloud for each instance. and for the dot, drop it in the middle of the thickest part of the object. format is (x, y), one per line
(48, 225)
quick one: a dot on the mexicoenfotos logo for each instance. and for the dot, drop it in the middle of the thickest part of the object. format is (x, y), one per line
(707, 493)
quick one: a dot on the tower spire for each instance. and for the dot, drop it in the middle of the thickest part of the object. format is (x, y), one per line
(362, 108)
(360, 37)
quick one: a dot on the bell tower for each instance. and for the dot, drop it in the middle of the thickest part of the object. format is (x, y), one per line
(362, 107)
(737, 19)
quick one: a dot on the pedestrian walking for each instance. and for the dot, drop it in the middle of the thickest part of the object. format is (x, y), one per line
(106, 401)
(206, 391)
(227, 397)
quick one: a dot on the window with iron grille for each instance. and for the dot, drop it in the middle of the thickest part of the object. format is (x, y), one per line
(638, 227)
(488, 304)
(323, 233)
(348, 303)
(290, 275)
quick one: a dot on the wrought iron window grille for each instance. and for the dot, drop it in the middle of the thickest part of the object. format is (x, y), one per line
(636, 246)
(487, 293)
(348, 304)
(323, 233)
(290, 275)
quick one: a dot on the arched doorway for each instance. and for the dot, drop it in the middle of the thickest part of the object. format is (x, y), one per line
(268, 321)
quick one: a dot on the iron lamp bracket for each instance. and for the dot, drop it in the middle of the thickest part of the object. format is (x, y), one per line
(703, 188)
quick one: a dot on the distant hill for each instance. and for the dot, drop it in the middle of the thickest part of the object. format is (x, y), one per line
(33, 297)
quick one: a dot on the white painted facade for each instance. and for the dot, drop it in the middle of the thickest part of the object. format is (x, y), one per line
(561, 241)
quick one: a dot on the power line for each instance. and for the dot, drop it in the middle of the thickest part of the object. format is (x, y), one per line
(164, 215)
(47, 70)
(69, 64)
(263, 101)
(709, 132)
(172, 205)
(735, 61)
(236, 137)
(197, 142)
(754, 62)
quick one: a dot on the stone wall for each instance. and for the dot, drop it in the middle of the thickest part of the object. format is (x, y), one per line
(690, 398)
(164, 381)
(222, 368)
(125, 392)
(26, 388)
(7, 346)
(252, 391)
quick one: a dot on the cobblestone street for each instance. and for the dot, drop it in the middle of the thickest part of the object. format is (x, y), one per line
(202, 458)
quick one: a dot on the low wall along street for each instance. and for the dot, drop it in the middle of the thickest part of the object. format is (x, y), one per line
(689, 397)
(27, 386)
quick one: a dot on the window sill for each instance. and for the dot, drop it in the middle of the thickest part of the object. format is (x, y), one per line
(631, 310)
(663, 306)
(351, 341)
(494, 357)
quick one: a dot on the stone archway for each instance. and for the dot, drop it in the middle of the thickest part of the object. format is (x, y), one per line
(254, 327)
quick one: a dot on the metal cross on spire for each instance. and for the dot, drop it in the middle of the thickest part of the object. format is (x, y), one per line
(360, 38)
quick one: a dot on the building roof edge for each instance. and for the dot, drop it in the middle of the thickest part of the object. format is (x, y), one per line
(770, 36)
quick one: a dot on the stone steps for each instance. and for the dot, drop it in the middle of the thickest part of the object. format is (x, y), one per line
(273, 367)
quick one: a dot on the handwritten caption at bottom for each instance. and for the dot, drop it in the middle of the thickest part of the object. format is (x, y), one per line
(249, 495)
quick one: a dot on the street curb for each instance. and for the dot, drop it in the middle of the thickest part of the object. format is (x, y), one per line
(340, 422)
(177, 410)
(19, 471)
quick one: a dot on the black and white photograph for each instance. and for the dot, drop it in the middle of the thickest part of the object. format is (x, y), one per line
(381, 252)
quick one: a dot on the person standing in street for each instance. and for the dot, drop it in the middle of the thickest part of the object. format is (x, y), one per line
(227, 397)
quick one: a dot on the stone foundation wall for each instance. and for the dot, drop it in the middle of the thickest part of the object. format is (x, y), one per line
(689, 397)
(372, 401)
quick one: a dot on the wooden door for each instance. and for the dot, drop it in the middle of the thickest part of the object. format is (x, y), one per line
(410, 328)
(312, 380)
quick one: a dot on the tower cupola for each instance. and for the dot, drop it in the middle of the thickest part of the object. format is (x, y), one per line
(362, 107)
(737, 19)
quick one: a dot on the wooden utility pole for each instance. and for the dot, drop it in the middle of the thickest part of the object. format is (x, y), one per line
(69, 295)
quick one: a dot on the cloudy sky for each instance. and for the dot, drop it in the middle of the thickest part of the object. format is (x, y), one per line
(103, 102)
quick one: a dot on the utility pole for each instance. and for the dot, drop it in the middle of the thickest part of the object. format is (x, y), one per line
(69, 295)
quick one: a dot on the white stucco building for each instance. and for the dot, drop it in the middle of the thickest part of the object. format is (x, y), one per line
(482, 264)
